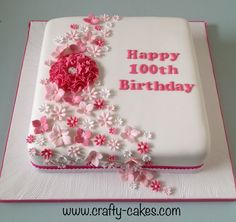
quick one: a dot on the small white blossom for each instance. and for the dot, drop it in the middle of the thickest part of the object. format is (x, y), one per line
(148, 135)
(146, 158)
(106, 48)
(90, 93)
(127, 153)
(106, 33)
(119, 121)
(116, 18)
(45, 108)
(94, 51)
(73, 35)
(114, 144)
(105, 93)
(58, 113)
(105, 119)
(133, 186)
(105, 17)
(74, 152)
(33, 152)
(112, 108)
(109, 25)
(41, 140)
(84, 28)
(88, 124)
(61, 40)
(168, 190)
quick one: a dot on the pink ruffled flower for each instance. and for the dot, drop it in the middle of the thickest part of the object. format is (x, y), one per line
(74, 72)
(30, 139)
(72, 121)
(156, 185)
(100, 140)
(47, 153)
(143, 148)
(99, 104)
(53, 92)
(41, 125)
(93, 158)
(99, 41)
(130, 134)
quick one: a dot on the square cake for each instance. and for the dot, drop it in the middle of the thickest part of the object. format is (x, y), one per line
(121, 93)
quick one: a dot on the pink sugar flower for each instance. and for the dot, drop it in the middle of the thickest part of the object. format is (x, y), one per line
(100, 140)
(83, 136)
(113, 130)
(130, 134)
(99, 104)
(91, 19)
(72, 121)
(30, 139)
(99, 41)
(143, 148)
(60, 137)
(74, 26)
(41, 125)
(145, 177)
(47, 153)
(156, 185)
(53, 92)
(93, 158)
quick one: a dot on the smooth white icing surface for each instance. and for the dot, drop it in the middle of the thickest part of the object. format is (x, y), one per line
(177, 119)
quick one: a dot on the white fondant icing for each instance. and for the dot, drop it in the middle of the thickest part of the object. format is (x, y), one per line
(177, 119)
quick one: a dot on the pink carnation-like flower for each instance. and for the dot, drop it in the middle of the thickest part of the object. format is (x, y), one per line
(99, 41)
(46, 153)
(143, 148)
(156, 185)
(99, 104)
(72, 121)
(73, 72)
(30, 139)
(100, 140)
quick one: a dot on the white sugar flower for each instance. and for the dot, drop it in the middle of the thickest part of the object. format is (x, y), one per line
(84, 28)
(133, 186)
(45, 108)
(61, 40)
(119, 121)
(106, 33)
(105, 17)
(73, 35)
(115, 17)
(112, 108)
(94, 51)
(74, 152)
(127, 153)
(41, 140)
(105, 119)
(148, 135)
(146, 158)
(106, 48)
(167, 190)
(114, 144)
(88, 124)
(32, 152)
(105, 93)
(109, 25)
(90, 93)
(58, 113)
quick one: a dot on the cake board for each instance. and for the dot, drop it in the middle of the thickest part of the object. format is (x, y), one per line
(21, 182)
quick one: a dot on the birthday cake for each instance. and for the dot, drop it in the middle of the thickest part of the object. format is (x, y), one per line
(121, 93)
